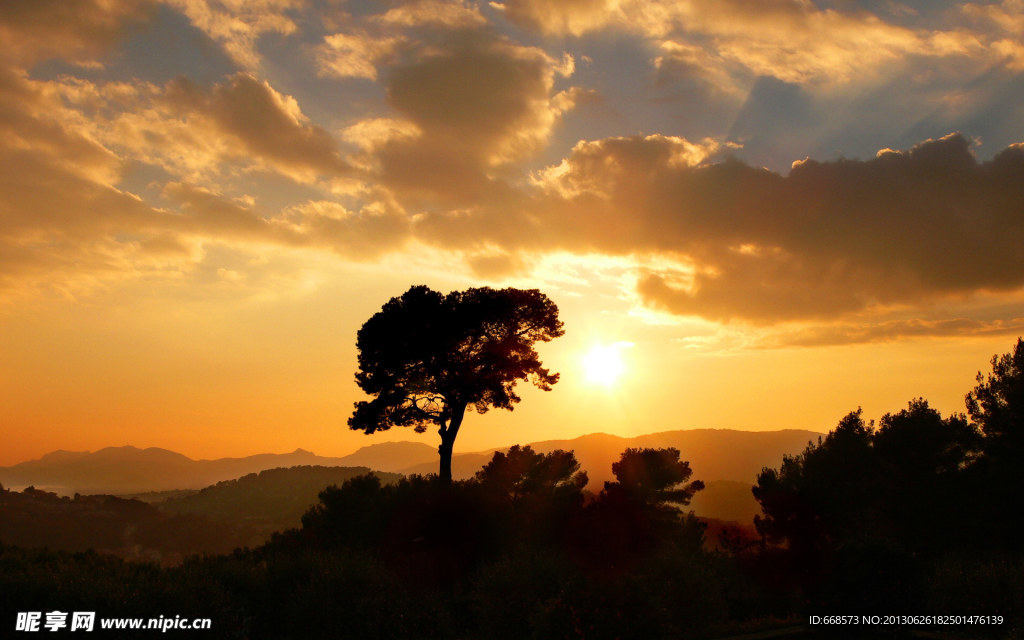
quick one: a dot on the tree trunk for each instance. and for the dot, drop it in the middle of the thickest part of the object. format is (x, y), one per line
(448, 443)
(445, 451)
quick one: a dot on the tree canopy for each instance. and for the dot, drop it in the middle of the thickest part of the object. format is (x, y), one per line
(426, 357)
(996, 405)
(523, 472)
(654, 475)
(901, 483)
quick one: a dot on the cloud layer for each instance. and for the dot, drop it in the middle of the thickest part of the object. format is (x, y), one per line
(502, 131)
(830, 238)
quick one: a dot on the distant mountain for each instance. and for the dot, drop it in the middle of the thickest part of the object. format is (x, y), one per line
(714, 454)
(391, 456)
(726, 500)
(127, 470)
(109, 470)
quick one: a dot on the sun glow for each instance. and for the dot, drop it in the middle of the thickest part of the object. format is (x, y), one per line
(603, 364)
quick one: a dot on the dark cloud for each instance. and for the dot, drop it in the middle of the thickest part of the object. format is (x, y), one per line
(829, 239)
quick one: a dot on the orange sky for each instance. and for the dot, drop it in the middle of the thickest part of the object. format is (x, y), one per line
(787, 209)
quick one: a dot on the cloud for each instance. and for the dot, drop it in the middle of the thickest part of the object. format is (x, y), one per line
(355, 55)
(67, 226)
(607, 196)
(495, 265)
(452, 14)
(845, 236)
(1005, 22)
(828, 240)
(442, 138)
(359, 51)
(199, 132)
(374, 230)
(791, 40)
(260, 121)
(477, 103)
(238, 24)
(893, 330)
(192, 131)
(211, 215)
(367, 233)
(54, 174)
(561, 17)
(34, 30)
(603, 167)
(63, 223)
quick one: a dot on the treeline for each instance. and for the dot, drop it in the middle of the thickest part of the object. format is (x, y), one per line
(123, 527)
(917, 513)
(518, 551)
(265, 502)
(165, 529)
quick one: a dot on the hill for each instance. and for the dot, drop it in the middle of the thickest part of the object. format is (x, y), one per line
(127, 528)
(272, 500)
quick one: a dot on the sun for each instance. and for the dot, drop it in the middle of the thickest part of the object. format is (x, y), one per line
(603, 364)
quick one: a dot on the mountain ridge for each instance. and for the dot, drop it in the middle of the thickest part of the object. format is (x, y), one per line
(715, 454)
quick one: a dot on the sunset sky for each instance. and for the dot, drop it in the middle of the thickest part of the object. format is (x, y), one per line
(758, 214)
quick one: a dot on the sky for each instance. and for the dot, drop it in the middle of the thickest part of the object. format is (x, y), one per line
(758, 214)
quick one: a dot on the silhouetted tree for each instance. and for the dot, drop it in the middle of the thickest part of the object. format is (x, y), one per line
(536, 494)
(922, 458)
(638, 514)
(427, 357)
(861, 510)
(654, 475)
(823, 494)
(522, 472)
(996, 405)
(918, 441)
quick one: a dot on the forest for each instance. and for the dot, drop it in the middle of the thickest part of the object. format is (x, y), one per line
(913, 515)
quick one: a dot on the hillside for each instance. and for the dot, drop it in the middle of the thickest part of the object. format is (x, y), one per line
(128, 528)
(272, 500)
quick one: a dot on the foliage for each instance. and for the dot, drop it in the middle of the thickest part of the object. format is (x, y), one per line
(654, 475)
(901, 482)
(996, 404)
(996, 407)
(863, 510)
(523, 472)
(129, 528)
(427, 357)
(272, 500)
(924, 459)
